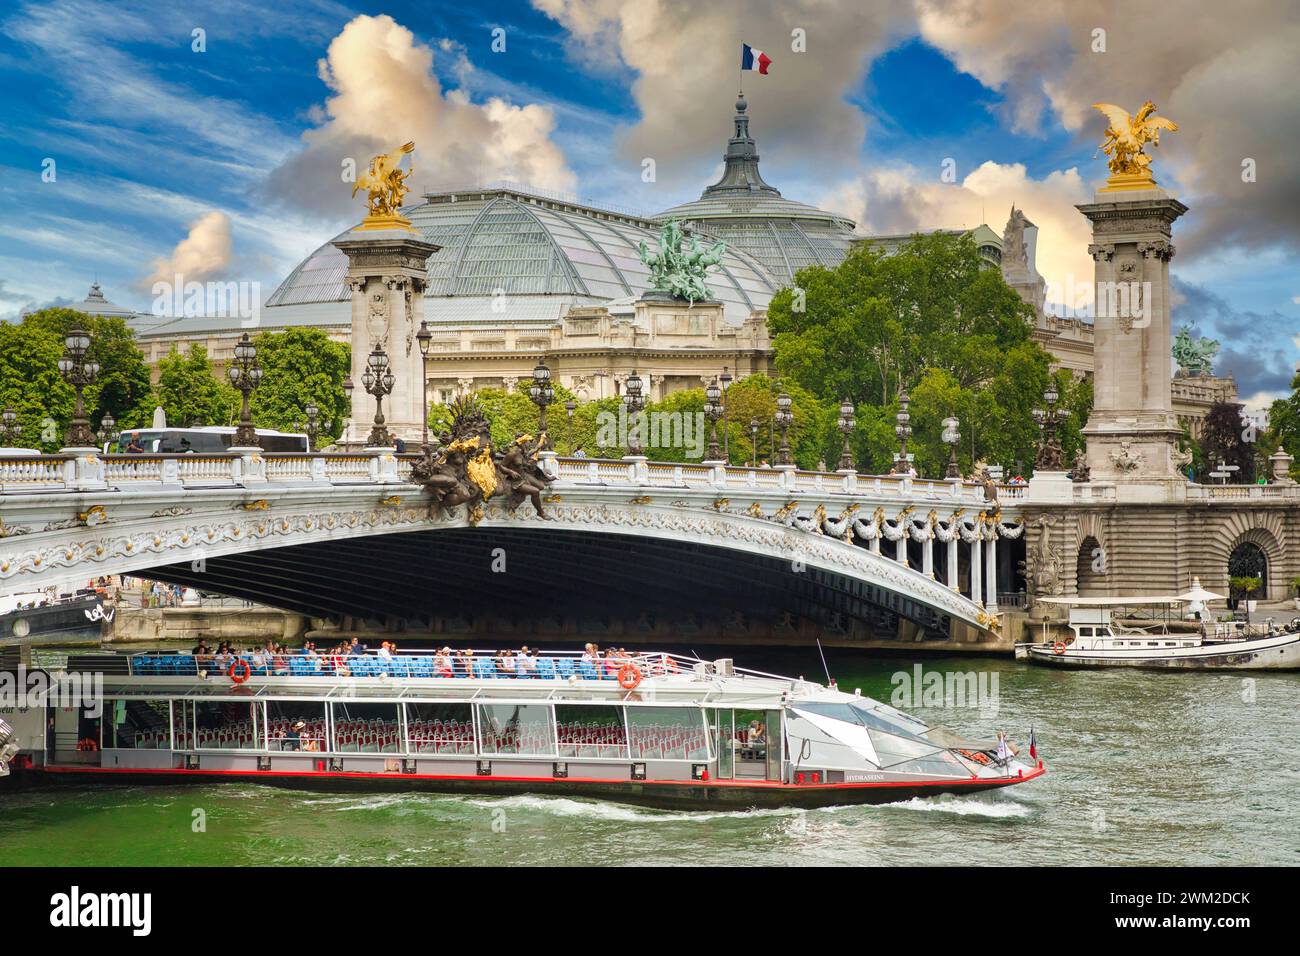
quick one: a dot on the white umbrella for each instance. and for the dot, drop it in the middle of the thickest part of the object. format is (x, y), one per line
(1199, 594)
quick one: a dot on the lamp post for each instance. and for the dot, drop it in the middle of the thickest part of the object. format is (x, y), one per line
(78, 370)
(313, 426)
(846, 425)
(784, 417)
(347, 393)
(950, 436)
(713, 412)
(542, 392)
(9, 426)
(903, 429)
(753, 439)
(634, 400)
(107, 429)
(424, 337)
(1050, 456)
(569, 407)
(245, 374)
(378, 381)
(724, 380)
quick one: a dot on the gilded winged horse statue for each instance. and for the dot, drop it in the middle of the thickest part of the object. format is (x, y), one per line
(1126, 137)
(385, 183)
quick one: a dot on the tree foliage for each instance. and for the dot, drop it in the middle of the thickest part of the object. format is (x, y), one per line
(1284, 425)
(189, 393)
(931, 321)
(300, 367)
(1223, 440)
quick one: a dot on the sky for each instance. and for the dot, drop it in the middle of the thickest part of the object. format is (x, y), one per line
(145, 138)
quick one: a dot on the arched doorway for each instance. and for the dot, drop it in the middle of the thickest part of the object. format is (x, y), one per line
(1248, 560)
(1090, 569)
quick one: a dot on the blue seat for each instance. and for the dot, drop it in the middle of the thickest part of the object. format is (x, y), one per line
(587, 670)
(397, 667)
(546, 668)
(564, 667)
(361, 666)
(423, 667)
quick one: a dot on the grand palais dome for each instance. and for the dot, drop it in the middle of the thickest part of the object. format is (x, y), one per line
(547, 255)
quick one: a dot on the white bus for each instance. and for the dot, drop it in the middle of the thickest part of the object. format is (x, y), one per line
(207, 440)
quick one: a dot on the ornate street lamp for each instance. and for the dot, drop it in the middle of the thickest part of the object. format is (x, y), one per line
(713, 412)
(634, 399)
(950, 436)
(1050, 456)
(378, 380)
(78, 370)
(753, 439)
(569, 407)
(846, 425)
(724, 380)
(9, 429)
(542, 392)
(424, 337)
(784, 418)
(313, 425)
(107, 429)
(902, 459)
(245, 374)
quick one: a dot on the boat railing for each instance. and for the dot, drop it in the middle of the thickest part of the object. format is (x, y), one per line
(479, 664)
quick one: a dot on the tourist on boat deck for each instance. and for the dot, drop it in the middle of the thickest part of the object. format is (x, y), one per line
(442, 663)
(527, 663)
(385, 650)
(356, 648)
(1004, 756)
(756, 732)
(506, 663)
(293, 736)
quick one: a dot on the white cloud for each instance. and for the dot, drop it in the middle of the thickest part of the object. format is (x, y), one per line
(201, 255)
(385, 92)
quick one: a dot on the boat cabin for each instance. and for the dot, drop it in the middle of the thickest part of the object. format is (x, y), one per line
(1095, 631)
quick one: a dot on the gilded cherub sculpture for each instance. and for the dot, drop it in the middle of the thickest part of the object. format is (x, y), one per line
(1126, 138)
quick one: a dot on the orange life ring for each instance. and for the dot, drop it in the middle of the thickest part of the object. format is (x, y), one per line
(629, 676)
(240, 666)
(1058, 647)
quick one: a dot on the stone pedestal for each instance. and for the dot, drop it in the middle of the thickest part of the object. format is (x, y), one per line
(84, 470)
(1132, 432)
(386, 272)
(1051, 486)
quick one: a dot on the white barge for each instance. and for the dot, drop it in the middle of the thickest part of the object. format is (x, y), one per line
(660, 730)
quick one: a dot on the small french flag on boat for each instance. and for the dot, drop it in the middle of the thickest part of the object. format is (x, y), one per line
(751, 59)
(1033, 745)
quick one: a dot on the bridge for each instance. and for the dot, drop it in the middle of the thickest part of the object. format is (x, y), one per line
(668, 548)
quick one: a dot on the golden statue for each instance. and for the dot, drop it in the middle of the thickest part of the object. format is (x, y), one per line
(385, 185)
(1126, 137)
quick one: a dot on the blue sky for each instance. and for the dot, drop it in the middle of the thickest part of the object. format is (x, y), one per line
(149, 136)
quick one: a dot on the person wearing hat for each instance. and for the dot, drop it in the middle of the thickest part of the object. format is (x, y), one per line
(294, 737)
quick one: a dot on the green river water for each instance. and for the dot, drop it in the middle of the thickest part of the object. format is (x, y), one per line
(1144, 768)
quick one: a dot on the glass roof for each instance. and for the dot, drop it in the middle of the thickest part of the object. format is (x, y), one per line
(504, 240)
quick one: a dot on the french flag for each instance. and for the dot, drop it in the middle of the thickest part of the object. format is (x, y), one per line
(751, 59)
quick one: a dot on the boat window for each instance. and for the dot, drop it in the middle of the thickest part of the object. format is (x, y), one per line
(590, 731)
(283, 718)
(1085, 632)
(867, 716)
(139, 725)
(440, 728)
(667, 733)
(516, 729)
(222, 725)
(367, 728)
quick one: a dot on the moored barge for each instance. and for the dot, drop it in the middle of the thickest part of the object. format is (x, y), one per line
(655, 729)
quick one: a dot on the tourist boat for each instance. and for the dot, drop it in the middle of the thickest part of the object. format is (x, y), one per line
(1097, 641)
(660, 730)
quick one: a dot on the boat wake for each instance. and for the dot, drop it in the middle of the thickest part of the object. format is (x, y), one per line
(597, 810)
(964, 806)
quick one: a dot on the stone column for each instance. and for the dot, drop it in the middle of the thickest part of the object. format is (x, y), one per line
(1132, 431)
(900, 548)
(386, 273)
(927, 560)
(952, 561)
(977, 568)
(991, 574)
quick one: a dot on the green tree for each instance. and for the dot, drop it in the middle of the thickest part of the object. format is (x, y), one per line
(30, 383)
(1284, 425)
(1223, 440)
(929, 320)
(300, 367)
(122, 386)
(188, 391)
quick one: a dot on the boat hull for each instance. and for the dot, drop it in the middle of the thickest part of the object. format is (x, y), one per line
(1281, 653)
(661, 794)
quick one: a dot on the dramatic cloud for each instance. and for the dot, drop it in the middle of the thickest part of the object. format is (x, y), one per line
(204, 253)
(900, 200)
(385, 93)
(686, 57)
(1255, 344)
(1215, 70)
